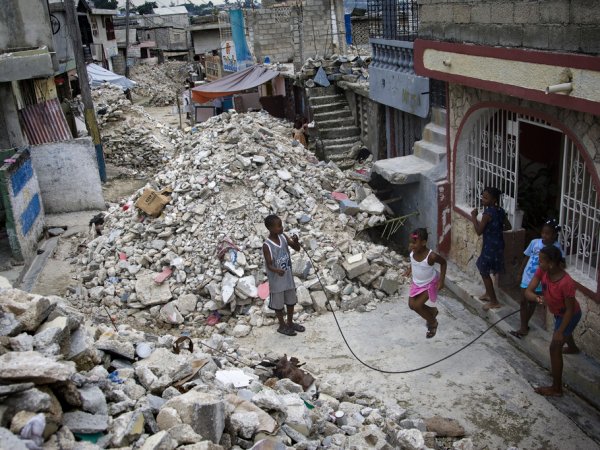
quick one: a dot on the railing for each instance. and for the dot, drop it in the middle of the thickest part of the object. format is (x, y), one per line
(393, 19)
(392, 55)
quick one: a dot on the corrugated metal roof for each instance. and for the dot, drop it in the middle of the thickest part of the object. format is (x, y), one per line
(45, 122)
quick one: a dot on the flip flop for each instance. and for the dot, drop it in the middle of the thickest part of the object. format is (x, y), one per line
(298, 327)
(518, 334)
(287, 331)
(432, 330)
(484, 298)
(492, 306)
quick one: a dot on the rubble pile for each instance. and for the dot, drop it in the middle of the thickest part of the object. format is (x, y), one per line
(200, 262)
(131, 137)
(160, 85)
(66, 384)
(350, 68)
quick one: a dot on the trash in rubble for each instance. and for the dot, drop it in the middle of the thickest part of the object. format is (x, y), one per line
(97, 223)
(163, 276)
(236, 377)
(263, 290)
(321, 78)
(112, 280)
(339, 196)
(213, 318)
(122, 256)
(143, 350)
(152, 202)
(34, 432)
(114, 377)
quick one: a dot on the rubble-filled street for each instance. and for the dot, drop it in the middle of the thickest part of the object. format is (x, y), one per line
(162, 339)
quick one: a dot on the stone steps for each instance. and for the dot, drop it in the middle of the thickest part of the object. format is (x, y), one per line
(339, 132)
(435, 134)
(342, 121)
(329, 107)
(429, 151)
(326, 99)
(327, 116)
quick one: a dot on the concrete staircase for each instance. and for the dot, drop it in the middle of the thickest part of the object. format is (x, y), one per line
(337, 138)
(428, 153)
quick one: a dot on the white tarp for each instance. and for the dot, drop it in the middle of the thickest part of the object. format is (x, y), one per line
(99, 75)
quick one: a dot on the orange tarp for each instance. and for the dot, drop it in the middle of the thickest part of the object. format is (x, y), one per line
(236, 82)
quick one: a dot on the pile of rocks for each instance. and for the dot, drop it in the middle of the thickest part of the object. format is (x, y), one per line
(66, 384)
(131, 137)
(350, 68)
(160, 85)
(207, 244)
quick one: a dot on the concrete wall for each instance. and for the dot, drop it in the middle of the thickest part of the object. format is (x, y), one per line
(68, 175)
(558, 25)
(275, 31)
(11, 134)
(205, 41)
(25, 23)
(23, 205)
(465, 243)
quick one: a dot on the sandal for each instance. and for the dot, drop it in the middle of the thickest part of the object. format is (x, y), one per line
(298, 327)
(549, 391)
(432, 330)
(492, 306)
(288, 331)
(518, 334)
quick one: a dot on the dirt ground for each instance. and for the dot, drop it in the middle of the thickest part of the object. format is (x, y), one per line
(488, 387)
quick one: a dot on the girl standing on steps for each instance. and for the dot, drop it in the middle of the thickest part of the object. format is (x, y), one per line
(549, 236)
(491, 260)
(425, 280)
(558, 293)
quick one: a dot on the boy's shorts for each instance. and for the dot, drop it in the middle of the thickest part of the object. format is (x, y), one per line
(280, 299)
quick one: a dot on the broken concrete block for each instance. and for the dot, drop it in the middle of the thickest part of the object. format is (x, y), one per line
(204, 412)
(93, 400)
(372, 205)
(168, 418)
(349, 207)
(115, 346)
(82, 422)
(186, 304)
(159, 441)
(303, 296)
(390, 283)
(127, 428)
(32, 366)
(244, 423)
(356, 268)
(268, 399)
(298, 416)
(319, 300)
(228, 287)
(184, 434)
(11, 441)
(148, 292)
(246, 286)
(410, 439)
(170, 314)
(22, 342)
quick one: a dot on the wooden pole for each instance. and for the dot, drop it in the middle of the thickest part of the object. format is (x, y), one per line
(84, 85)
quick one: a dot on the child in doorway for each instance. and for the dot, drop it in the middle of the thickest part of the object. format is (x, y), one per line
(549, 236)
(425, 280)
(558, 293)
(491, 259)
(279, 272)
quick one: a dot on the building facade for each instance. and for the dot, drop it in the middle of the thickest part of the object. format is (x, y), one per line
(523, 116)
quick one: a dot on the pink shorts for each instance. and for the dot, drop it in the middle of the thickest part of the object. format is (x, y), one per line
(430, 287)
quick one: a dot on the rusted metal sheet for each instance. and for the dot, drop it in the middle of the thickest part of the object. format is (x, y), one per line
(45, 122)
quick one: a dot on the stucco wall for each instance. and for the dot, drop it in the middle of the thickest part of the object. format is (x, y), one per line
(68, 175)
(25, 23)
(275, 33)
(560, 25)
(466, 244)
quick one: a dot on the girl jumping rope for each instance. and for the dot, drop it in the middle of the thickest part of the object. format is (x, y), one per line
(425, 280)
(558, 293)
(549, 236)
(492, 224)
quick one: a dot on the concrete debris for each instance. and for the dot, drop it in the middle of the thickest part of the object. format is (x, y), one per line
(184, 401)
(159, 86)
(350, 68)
(210, 235)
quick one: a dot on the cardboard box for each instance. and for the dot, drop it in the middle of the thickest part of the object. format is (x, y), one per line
(152, 202)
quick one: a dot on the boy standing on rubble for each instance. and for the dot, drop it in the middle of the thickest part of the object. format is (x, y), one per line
(279, 272)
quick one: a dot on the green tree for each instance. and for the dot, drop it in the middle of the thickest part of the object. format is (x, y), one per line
(106, 4)
(146, 8)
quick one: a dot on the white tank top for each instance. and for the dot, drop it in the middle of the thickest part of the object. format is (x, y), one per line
(422, 272)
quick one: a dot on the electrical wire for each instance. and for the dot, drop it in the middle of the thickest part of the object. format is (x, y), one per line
(399, 371)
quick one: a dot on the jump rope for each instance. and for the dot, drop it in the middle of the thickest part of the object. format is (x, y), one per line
(468, 344)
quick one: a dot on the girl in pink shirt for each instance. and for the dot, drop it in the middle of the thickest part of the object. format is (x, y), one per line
(558, 293)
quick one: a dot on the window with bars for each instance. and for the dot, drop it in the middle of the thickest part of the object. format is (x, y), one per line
(488, 155)
(393, 19)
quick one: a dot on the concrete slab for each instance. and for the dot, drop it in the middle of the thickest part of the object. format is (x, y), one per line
(488, 387)
(402, 170)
